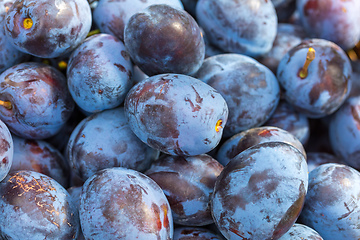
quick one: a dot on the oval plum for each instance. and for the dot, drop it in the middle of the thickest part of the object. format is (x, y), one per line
(105, 140)
(120, 203)
(332, 202)
(162, 39)
(176, 114)
(35, 206)
(260, 192)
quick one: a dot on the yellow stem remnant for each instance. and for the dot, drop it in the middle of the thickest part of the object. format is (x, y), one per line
(28, 22)
(310, 56)
(6, 104)
(218, 126)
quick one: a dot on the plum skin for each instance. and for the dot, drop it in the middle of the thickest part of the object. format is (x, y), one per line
(260, 192)
(120, 203)
(162, 39)
(176, 114)
(57, 26)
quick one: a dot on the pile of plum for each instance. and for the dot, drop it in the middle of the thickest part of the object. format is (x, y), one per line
(180, 119)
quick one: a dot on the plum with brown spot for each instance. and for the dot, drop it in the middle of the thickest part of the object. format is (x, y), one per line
(332, 202)
(188, 183)
(119, 203)
(332, 20)
(9, 55)
(47, 29)
(34, 100)
(105, 140)
(238, 26)
(35, 206)
(6, 150)
(260, 192)
(176, 114)
(326, 84)
(99, 73)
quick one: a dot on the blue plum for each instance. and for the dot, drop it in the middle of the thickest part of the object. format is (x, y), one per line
(188, 183)
(176, 114)
(42, 157)
(246, 26)
(301, 232)
(47, 28)
(35, 206)
(119, 203)
(332, 203)
(251, 137)
(162, 39)
(6, 150)
(104, 140)
(344, 132)
(99, 73)
(34, 100)
(112, 16)
(260, 192)
(9, 55)
(250, 89)
(333, 20)
(316, 77)
(287, 118)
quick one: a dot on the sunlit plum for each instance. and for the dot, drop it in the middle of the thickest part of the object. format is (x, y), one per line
(35, 206)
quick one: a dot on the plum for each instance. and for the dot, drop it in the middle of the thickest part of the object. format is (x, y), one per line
(260, 192)
(35, 206)
(47, 28)
(120, 203)
(332, 203)
(104, 140)
(176, 114)
(162, 39)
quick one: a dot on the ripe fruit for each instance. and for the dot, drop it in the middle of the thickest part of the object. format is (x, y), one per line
(176, 114)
